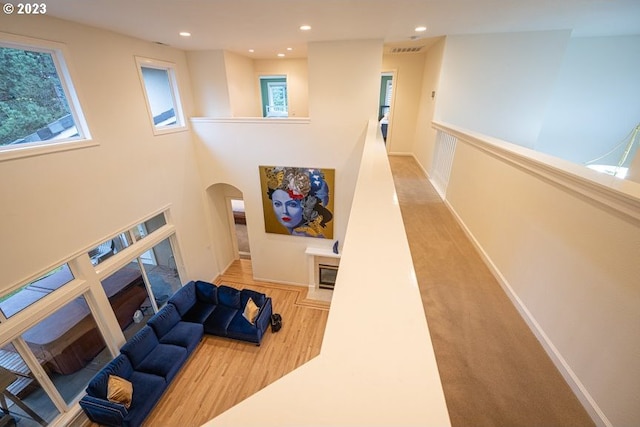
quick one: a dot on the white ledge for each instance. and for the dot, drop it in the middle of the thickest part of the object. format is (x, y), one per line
(328, 253)
(253, 120)
(609, 192)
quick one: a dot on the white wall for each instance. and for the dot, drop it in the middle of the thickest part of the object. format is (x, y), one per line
(230, 151)
(595, 102)
(425, 135)
(500, 84)
(244, 96)
(209, 75)
(55, 205)
(407, 81)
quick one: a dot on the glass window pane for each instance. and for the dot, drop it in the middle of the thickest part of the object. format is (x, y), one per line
(127, 294)
(160, 266)
(143, 229)
(34, 291)
(109, 248)
(69, 346)
(26, 401)
(34, 105)
(160, 96)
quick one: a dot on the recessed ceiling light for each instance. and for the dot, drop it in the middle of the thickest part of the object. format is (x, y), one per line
(421, 29)
(251, 50)
(185, 34)
(289, 48)
(281, 55)
(305, 27)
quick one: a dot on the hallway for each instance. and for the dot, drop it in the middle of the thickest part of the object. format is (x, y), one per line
(494, 372)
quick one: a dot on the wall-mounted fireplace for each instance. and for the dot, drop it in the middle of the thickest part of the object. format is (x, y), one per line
(327, 276)
(323, 270)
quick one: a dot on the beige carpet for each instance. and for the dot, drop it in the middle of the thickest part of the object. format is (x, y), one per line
(493, 369)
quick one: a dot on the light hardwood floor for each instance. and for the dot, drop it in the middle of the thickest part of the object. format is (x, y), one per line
(223, 372)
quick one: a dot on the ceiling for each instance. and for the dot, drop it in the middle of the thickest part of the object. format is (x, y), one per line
(271, 26)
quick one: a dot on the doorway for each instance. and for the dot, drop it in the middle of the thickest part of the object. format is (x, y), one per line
(273, 90)
(241, 236)
(386, 104)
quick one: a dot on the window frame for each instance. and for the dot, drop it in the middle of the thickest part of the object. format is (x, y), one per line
(172, 74)
(58, 52)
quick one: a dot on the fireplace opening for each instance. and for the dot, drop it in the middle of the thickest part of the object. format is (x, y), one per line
(327, 276)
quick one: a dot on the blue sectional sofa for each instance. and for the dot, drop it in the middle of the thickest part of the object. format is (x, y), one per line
(220, 310)
(153, 356)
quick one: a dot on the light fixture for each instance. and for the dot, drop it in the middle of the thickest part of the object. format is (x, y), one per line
(305, 27)
(251, 50)
(289, 49)
(421, 29)
(185, 34)
(281, 55)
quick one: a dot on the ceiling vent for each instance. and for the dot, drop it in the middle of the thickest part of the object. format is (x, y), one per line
(415, 49)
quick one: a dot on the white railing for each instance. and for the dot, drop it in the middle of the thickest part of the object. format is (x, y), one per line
(277, 111)
(609, 192)
(444, 151)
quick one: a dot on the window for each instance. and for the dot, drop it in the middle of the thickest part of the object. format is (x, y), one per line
(161, 89)
(17, 301)
(38, 105)
(274, 96)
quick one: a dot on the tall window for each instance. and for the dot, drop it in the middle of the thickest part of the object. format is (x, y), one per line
(161, 90)
(38, 104)
(274, 96)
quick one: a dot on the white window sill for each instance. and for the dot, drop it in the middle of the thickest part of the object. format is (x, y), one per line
(29, 150)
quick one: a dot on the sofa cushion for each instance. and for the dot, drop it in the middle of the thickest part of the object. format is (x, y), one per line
(119, 390)
(164, 320)
(120, 366)
(199, 312)
(184, 334)
(250, 311)
(257, 297)
(239, 328)
(218, 321)
(140, 345)
(147, 389)
(229, 296)
(165, 361)
(184, 298)
(206, 292)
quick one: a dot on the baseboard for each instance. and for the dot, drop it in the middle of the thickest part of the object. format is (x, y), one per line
(558, 360)
(281, 282)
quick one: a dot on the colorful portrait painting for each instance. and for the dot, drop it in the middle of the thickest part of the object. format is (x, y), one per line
(298, 201)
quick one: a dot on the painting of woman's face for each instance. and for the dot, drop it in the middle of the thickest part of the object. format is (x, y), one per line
(287, 210)
(298, 201)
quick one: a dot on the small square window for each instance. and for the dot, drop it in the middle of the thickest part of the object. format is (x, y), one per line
(161, 89)
(38, 105)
